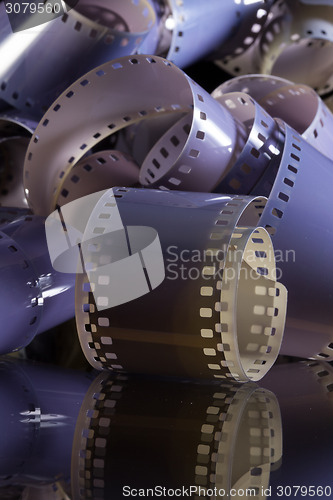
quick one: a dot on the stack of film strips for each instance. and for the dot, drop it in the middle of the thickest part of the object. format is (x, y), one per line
(189, 232)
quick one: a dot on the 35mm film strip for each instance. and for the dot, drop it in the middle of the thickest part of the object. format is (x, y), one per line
(219, 311)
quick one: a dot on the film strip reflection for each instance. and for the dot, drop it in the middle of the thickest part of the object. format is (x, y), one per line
(174, 435)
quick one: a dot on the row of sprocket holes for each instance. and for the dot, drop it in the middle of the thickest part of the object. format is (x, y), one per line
(323, 355)
(290, 183)
(194, 153)
(235, 183)
(126, 119)
(295, 37)
(75, 178)
(164, 152)
(101, 73)
(86, 307)
(262, 271)
(108, 39)
(175, 142)
(255, 28)
(248, 40)
(246, 169)
(15, 95)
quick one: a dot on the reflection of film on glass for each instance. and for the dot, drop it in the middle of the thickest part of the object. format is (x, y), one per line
(40, 414)
(226, 436)
(207, 303)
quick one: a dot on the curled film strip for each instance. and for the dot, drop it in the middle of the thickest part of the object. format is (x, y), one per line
(304, 243)
(191, 30)
(160, 168)
(84, 37)
(262, 148)
(43, 298)
(245, 58)
(295, 42)
(141, 137)
(15, 134)
(245, 36)
(296, 104)
(230, 310)
(60, 141)
(96, 172)
(232, 435)
(298, 32)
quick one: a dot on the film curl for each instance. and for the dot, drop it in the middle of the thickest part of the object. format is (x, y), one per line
(83, 37)
(296, 104)
(230, 309)
(96, 172)
(299, 30)
(294, 42)
(60, 141)
(309, 331)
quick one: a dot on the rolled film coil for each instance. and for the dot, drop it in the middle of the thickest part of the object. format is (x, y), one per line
(61, 140)
(15, 134)
(301, 232)
(85, 37)
(298, 32)
(39, 417)
(232, 436)
(96, 172)
(191, 30)
(36, 297)
(216, 324)
(251, 20)
(298, 105)
(160, 168)
(140, 138)
(263, 146)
